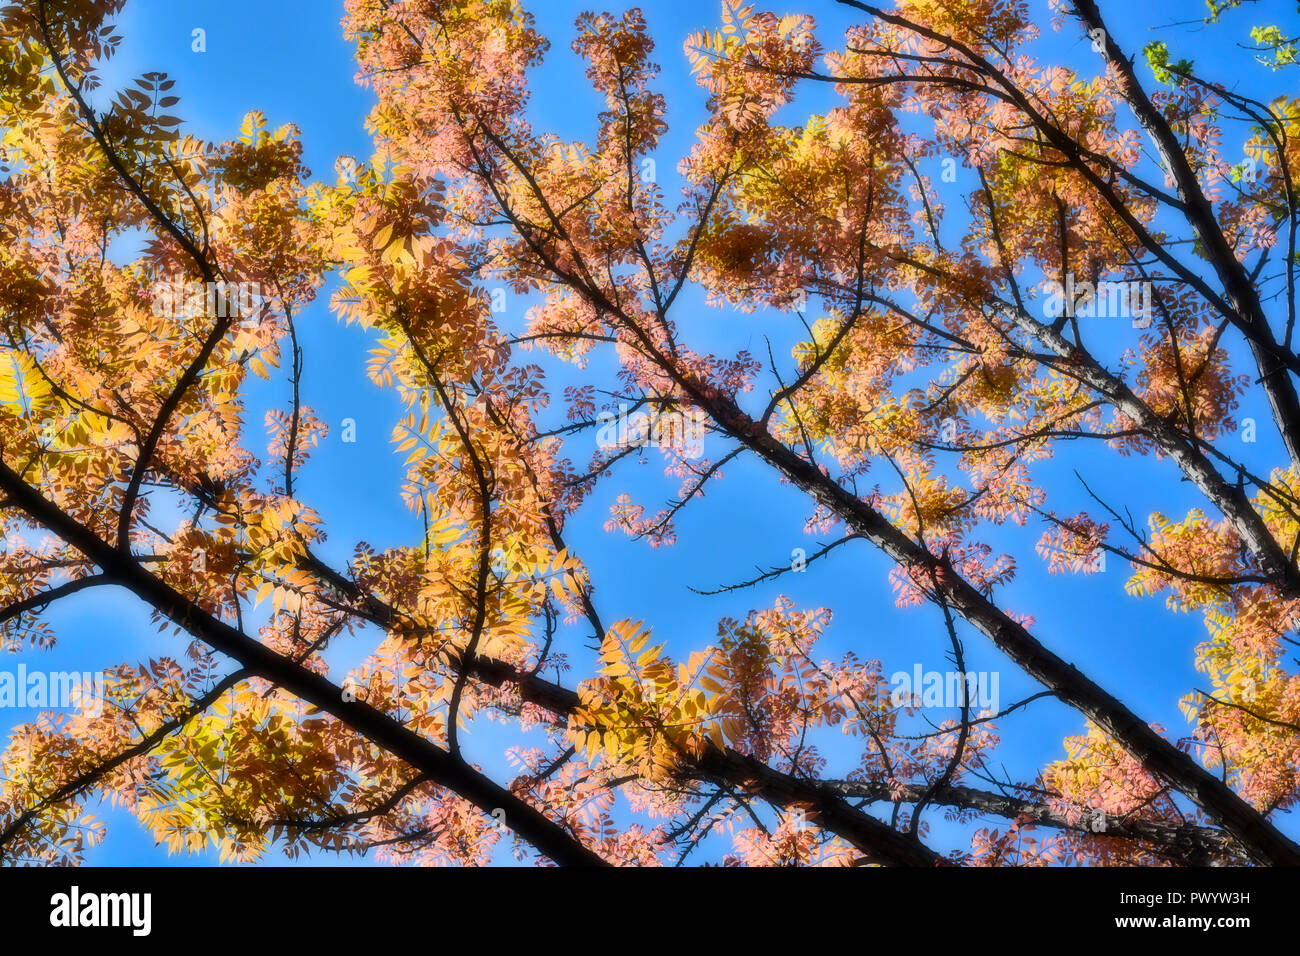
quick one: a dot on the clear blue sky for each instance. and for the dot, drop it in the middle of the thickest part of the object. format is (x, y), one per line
(288, 59)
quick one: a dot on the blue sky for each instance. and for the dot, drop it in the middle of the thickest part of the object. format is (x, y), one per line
(288, 59)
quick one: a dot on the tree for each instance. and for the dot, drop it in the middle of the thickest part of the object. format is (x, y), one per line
(937, 373)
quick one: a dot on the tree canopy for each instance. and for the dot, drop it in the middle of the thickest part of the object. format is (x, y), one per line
(956, 245)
